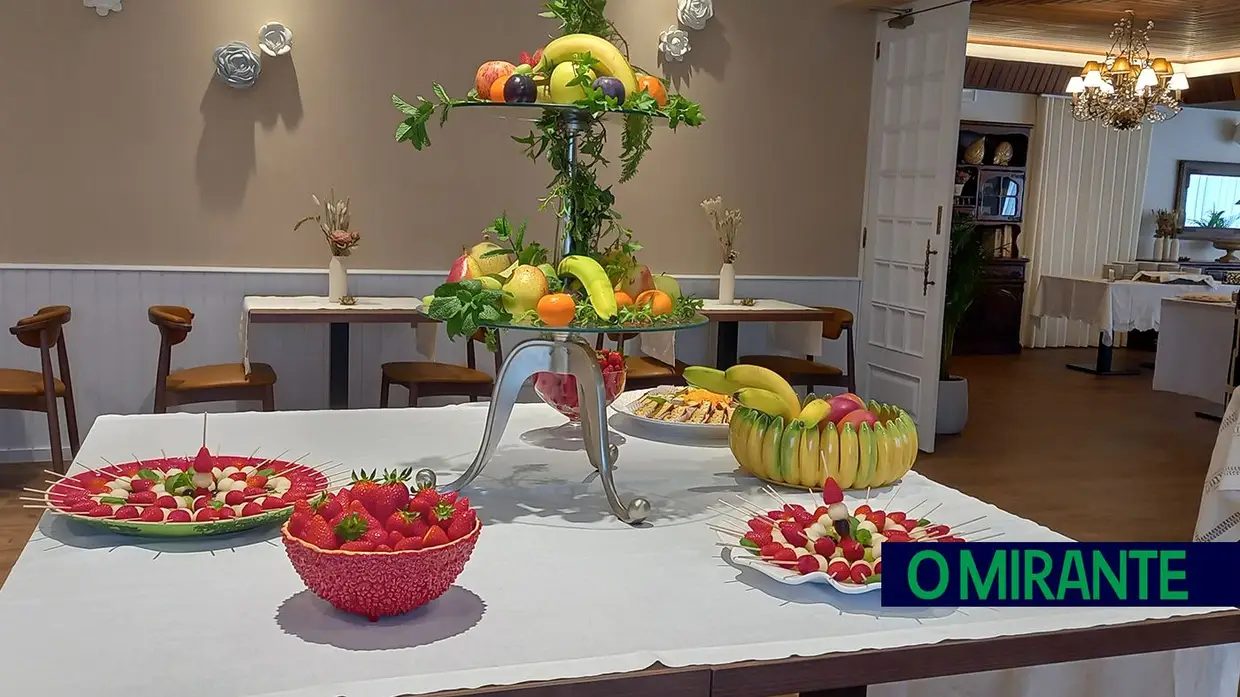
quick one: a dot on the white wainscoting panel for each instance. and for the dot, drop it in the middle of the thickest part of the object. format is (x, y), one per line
(113, 348)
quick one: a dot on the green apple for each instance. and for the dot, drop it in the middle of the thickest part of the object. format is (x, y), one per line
(668, 285)
(490, 283)
(561, 92)
(523, 291)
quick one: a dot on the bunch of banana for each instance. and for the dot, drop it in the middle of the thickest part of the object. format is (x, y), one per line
(777, 438)
(610, 61)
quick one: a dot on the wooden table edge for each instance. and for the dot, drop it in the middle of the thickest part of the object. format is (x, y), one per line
(689, 681)
(375, 316)
(840, 671)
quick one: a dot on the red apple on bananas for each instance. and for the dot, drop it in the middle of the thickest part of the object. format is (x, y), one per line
(860, 402)
(488, 73)
(858, 417)
(841, 406)
(465, 267)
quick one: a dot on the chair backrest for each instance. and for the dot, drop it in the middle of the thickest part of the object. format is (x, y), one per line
(43, 329)
(841, 320)
(174, 322)
(480, 337)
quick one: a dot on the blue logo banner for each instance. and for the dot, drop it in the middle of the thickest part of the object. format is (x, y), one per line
(1069, 574)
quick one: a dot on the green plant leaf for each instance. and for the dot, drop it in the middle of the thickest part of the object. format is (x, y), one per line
(114, 500)
(443, 308)
(150, 475)
(405, 107)
(266, 472)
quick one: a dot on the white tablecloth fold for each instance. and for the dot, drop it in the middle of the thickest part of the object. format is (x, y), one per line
(794, 338)
(1218, 519)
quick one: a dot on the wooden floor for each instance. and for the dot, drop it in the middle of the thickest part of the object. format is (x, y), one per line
(1092, 458)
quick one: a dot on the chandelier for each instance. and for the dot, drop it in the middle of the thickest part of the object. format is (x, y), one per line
(1127, 87)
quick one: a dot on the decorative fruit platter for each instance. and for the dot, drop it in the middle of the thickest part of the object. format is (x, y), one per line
(690, 411)
(829, 544)
(185, 496)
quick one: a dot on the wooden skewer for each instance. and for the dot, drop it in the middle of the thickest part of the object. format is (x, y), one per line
(31, 498)
(731, 517)
(988, 537)
(867, 496)
(751, 506)
(892, 500)
(775, 494)
(969, 522)
(744, 512)
(67, 483)
(919, 505)
(971, 532)
(204, 430)
(930, 512)
(725, 531)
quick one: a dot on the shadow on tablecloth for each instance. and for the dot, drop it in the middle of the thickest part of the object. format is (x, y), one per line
(315, 621)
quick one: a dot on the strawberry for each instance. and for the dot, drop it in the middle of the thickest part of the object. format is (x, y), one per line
(201, 502)
(770, 549)
(166, 501)
(776, 515)
(852, 549)
(862, 511)
(440, 514)
(271, 503)
(897, 516)
(77, 497)
(401, 522)
(821, 512)
(383, 548)
(435, 536)
(420, 527)
(356, 508)
(448, 497)
(152, 514)
(760, 525)
(807, 564)
(803, 517)
(234, 497)
(101, 510)
(897, 535)
(824, 546)
(462, 524)
(238, 476)
(391, 495)
(140, 484)
(298, 521)
(364, 488)
(251, 508)
(394, 537)
(794, 534)
(878, 566)
(203, 515)
(424, 501)
(202, 491)
(839, 570)
(142, 498)
(252, 492)
(878, 518)
(178, 515)
(96, 485)
(408, 543)
(256, 481)
(358, 546)
(126, 512)
(831, 491)
(83, 508)
(860, 571)
(376, 536)
(461, 504)
(759, 538)
(319, 534)
(225, 513)
(786, 554)
(532, 61)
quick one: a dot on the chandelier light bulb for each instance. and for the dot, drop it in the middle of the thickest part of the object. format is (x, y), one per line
(1147, 78)
(1093, 79)
(1178, 82)
(1076, 85)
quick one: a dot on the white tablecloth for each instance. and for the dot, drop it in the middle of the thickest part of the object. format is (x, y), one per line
(1194, 349)
(1218, 519)
(426, 332)
(1119, 306)
(557, 588)
(794, 338)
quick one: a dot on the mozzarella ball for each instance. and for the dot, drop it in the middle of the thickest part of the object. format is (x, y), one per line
(118, 493)
(801, 552)
(816, 531)
(185, 502)
(202, 480)
(867, 525)
(173, 472)
(279, 484)
(159, 489)
(220, 496)
(229, 471)
(249, 469)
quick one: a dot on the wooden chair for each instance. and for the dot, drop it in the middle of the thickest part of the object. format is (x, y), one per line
(428, 379)
(30, 391)
(805, 371)
(207, 383)
(644, 372)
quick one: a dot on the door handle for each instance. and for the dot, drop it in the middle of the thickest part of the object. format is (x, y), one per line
(925, 280)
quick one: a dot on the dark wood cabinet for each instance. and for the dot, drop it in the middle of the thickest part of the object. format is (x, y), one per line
(992, 323)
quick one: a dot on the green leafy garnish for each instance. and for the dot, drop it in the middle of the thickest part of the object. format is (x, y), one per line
(749, 544)
(923, 522)
(112, 499)
(179, 482)
(853, 527)
(466, 306)
(150, 475)
(863, 536)
(512, 241)
(875, 578)
(266, 472)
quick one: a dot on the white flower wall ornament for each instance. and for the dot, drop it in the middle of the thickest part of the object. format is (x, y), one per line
(237, 65)
(103, 7)
(695, 13)
(674, 43)
(275, 39)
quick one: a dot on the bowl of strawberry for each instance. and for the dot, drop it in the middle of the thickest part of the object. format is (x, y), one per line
(377, 549)
(560, 389)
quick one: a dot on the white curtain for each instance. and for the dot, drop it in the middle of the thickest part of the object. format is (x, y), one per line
(1083, 209)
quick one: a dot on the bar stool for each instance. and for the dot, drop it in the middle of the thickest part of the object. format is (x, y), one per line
(208, 383)
(429, 379)
(27, 390)
(806, 371)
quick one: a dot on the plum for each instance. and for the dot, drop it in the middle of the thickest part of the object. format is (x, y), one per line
(520, 89)
(611, 87)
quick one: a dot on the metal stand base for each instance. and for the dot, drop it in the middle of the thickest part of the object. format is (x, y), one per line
(558, 355)
(1102, 365)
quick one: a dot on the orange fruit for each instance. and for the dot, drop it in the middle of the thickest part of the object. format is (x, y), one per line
(556, 309)
(660, 303)
(654, 86)
(497, 89)
(623, 299)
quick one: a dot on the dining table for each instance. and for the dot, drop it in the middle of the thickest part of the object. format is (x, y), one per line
(794, 328)
(559, 599)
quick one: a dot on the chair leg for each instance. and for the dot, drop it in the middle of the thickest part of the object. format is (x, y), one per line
(75, 443)
(161, 401)
(53, 431)
(269, 398)
(413, 395)
(385, 389)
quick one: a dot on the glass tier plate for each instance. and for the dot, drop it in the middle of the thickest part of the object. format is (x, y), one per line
(516, 108)
(697, 321)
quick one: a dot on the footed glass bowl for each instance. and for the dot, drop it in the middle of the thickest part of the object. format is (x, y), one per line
(560, 390)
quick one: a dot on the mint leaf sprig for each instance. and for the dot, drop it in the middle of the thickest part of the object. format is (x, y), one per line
(512, 241)
(466, 306)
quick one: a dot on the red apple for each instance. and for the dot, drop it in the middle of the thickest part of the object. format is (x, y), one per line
(638, 281)
(465, 267)
(841, 406)
(849, 395)
(858, 417)
(488, 73)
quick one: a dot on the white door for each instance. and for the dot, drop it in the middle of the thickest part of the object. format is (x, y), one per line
(914, 128)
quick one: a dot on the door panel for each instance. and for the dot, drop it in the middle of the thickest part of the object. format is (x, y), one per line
(914, 129)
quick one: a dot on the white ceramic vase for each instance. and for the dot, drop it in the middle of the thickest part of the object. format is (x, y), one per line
(1173, 247)
(1160, 249)
(953, 406)
(727, 284)
(337, 279)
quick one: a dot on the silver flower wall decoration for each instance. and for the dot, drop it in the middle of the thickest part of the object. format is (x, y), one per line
(237, 65)
(695, 13)
(674, 43)
(103, 7)
(275, 39)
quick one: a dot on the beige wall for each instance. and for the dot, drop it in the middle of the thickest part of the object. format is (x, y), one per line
(117, 147)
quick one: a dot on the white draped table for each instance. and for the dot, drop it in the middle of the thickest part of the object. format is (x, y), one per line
(1218, 519)
(557, 590)
(1194, 349)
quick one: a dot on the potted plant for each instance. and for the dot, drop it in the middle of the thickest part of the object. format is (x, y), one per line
(964, 272)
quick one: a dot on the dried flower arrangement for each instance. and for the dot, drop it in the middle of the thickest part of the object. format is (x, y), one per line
(725, 222)
(334, 223)
(1166, 223)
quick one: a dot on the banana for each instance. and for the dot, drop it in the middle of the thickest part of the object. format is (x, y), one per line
(790, 453)
(753, 444)
(710, 379)
(611, 61)
(809, 459)
(886, 465)
(895, 436)
(770, 448)
(738, 429)
(594, 279)
(829, 447)
(814, 412)
(764, 401)
(808, 398)
(848, 457)
(911, 429)
(867, 467)
(766, 379)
